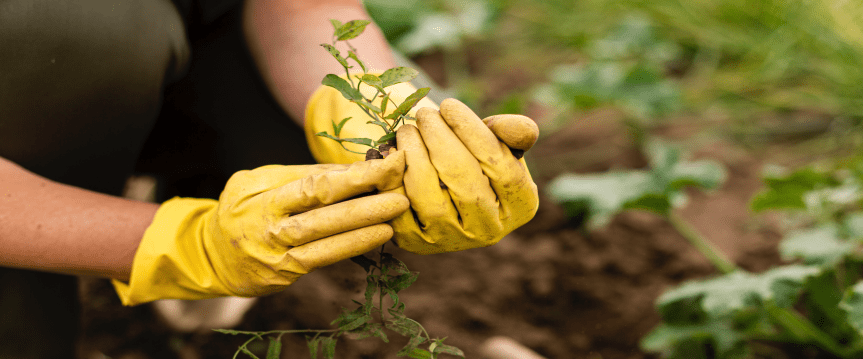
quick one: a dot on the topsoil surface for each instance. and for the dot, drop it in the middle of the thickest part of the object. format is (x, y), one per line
(553, 286)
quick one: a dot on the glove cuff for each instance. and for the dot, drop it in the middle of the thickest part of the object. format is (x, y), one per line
(327, 106)
(164, 264)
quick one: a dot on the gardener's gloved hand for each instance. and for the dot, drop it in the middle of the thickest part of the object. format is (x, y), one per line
(466, 188)
(270, 226)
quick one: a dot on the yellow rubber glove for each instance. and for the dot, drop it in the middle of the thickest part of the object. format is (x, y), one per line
(466, 188)
(327, 105)
(270, 226)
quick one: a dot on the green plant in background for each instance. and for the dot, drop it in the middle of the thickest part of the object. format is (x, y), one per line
(816, 300)
(387, 276)
(626, 70)
(598, 197)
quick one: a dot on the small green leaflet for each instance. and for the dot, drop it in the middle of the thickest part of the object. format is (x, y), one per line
(336, 24)
(353, 56)
(326, 345)
(359, 141)
(398, 75)
(372, 81)
(335, 52)
(409, 103)
(351, 29)
(274, 351)
(386, 138)
(338, 83)
(337, 127)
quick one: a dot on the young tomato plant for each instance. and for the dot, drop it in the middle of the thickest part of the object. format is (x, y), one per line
(387, 276)
(351, 88)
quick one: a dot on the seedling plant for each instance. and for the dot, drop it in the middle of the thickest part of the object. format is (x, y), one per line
(386, 276)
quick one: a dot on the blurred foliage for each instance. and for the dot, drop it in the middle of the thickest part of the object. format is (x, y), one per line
(653, 59)
(415, 26)
(596, 198)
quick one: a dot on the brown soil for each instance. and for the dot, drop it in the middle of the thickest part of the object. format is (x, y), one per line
(551, 285)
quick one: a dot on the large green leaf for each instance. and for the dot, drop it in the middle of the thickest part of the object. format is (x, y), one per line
(658, 189)
(668, 337)
(787, 192)
(723, 295)
(818, 246)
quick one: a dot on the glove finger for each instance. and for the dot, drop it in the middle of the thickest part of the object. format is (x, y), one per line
(326, 188)
(329, 250)
(460, 171)
(429, 201)
(265, 178)
(508, 176)
(516, 131)
(340, 217)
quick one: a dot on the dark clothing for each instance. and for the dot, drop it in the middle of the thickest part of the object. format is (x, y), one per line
(92, 91)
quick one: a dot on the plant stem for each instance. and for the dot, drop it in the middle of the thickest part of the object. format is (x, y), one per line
(801, 328)
(713, 254)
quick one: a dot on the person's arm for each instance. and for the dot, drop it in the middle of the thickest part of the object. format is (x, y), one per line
(49, 226)
(285, 36)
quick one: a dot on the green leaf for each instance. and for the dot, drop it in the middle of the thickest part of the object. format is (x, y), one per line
(248, 352)
(666, 337)
(384, 103)
(336, 24)
(601, 196)
(604, 195)
(401, 282)
(391, 263)
(337, 127)
(329, 347)
(359, 141)
(438, 347)
(336, 54)
(819, 246)
(386, 138)
(275, 349)
(403, 326)
(314, 345)
(351, 29)
(372, 81)
(409, 103)
(723, 295)
(413, 344)
(353, 56)
(397, 75)
(364, 262)
(416, 353)
(338, 83)
(788, 192)
(371, 330)
(852, 304)
(368, 105)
